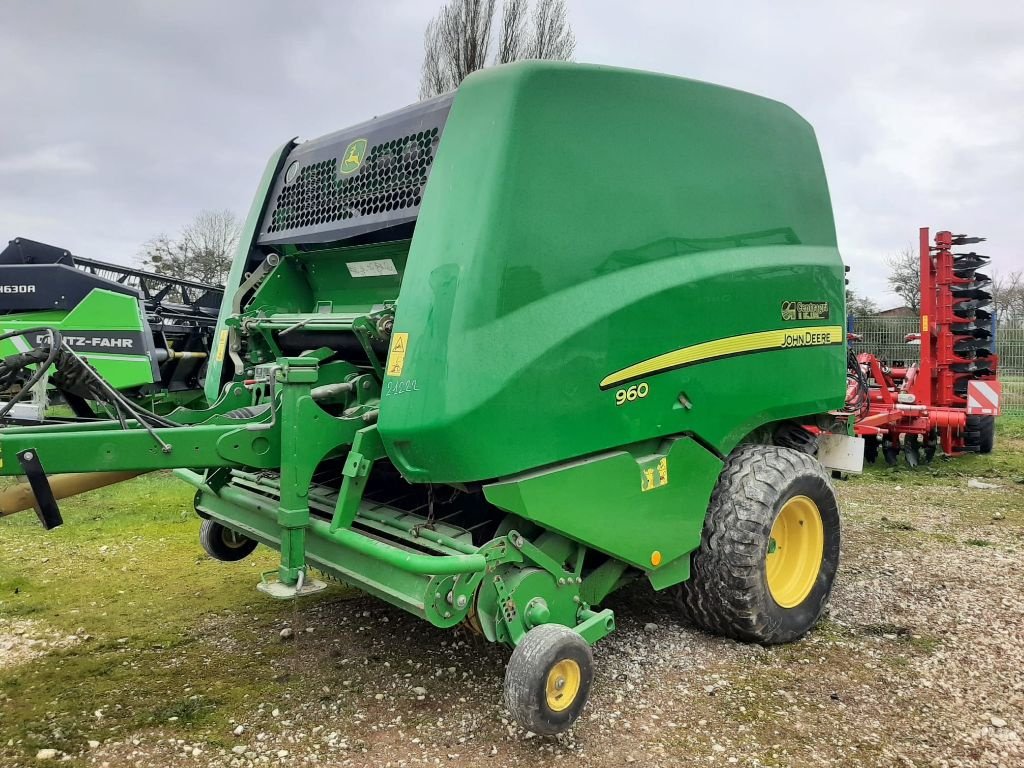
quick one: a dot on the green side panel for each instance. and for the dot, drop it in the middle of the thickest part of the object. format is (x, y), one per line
(579, 220)
(239, 266)
(99, 311)
(626, 506)
(330, 277)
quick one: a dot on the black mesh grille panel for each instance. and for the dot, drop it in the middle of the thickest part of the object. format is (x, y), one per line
(366, 178)
(390, 178)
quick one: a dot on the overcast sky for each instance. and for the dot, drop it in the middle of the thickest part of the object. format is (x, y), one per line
(122, 119)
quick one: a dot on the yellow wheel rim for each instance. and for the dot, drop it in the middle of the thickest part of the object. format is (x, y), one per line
(563, 685)
(795, 551)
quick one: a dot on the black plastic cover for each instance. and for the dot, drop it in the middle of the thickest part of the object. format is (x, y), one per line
(358, 180)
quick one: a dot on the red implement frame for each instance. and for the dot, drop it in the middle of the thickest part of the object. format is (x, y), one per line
(929, 400)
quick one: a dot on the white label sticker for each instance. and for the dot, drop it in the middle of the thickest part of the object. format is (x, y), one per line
(375, 268)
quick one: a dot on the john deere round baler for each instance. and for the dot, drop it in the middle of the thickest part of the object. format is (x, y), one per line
(497, 354)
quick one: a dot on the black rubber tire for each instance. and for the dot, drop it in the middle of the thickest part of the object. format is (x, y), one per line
(727, 592)
(527, 673)
(222, 543)
(870, 449)
(931, 445)
(980, 435)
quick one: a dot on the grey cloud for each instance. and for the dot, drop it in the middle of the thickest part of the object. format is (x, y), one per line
(123, 119)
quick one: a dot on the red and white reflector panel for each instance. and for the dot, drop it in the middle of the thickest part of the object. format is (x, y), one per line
(983, 398)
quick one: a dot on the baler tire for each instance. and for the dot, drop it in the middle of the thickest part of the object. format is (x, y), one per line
(728, 592)
(222, 543)
(544, 651)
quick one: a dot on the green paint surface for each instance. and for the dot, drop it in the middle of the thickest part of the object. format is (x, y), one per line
(581, 219)
(99, 311)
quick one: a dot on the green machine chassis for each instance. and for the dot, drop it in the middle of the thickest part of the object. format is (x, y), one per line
(498, 396)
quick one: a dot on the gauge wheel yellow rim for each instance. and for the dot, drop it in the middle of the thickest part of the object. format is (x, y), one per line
(563, 685)
(795, 551)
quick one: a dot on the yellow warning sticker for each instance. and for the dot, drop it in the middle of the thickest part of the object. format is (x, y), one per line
(222, 344)
(396, 355)
(924, 323)
(654, 475)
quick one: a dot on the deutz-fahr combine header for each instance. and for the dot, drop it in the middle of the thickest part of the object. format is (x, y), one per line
(147, 335)
(497, 354)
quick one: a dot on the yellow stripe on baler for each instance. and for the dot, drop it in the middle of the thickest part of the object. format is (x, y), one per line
(761, 341)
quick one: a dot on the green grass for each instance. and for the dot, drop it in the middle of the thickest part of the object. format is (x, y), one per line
(1006, 461)
(126, 570)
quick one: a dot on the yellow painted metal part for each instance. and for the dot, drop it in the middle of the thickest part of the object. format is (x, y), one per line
(563, 685)
(761, 341)
(795, 551)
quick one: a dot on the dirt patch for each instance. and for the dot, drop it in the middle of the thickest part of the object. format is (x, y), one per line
(22, 640)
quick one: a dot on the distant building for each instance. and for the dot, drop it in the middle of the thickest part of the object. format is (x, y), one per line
(896, 312)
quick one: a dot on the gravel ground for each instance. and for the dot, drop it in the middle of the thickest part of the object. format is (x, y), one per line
(919, 663)
(22, 640)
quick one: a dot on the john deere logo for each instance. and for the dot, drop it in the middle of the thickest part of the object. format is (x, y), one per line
(353, 157)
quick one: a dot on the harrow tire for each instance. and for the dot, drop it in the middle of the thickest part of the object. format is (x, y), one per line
(870, 449)
(728, 592)
(980, 435)
(548, 679)
(224, 544)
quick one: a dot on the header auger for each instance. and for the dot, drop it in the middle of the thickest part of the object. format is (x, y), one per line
(494, 355)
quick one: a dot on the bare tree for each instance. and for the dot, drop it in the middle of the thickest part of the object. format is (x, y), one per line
(859, 306)
(905, 276)
(514, 38)
(202, 252)
(458, 40)
(552, 35)
(1008, 298)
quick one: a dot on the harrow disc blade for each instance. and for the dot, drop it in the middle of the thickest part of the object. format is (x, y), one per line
(975, 366)
(970, 260)
(969, 273)
(890, 450)
(968, 309)
(912, 451)
(971, 292)
(960, 386)
(970, 329)
(970, 348)
(931, 442)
